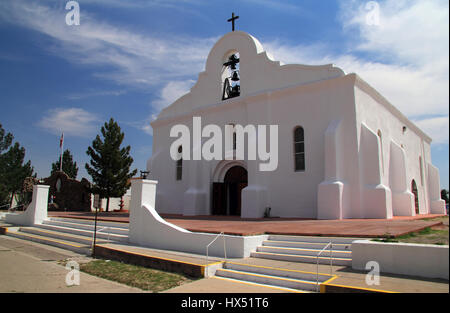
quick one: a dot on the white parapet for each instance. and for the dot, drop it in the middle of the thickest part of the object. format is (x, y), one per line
(147, 228)
(422, 260)
(36, 212)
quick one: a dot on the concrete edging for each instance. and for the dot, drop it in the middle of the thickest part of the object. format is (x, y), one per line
(170, 265)
(430, 261)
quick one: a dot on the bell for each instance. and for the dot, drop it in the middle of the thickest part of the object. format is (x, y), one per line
(233, 58)
(235, 77)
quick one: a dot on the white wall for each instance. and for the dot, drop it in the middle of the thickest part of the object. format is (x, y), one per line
(379, 115)
(422, 260)
(36, 212)
(147, 228)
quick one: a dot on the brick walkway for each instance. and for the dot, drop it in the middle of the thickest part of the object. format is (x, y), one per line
(286, 226)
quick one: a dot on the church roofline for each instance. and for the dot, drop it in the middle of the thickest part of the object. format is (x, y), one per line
(247, 98)
(353, 77)
(366, 87)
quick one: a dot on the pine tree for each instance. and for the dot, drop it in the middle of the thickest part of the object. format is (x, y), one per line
(13, 171)
(5, 143)
(444, 195)
(69, 166)
(110, 164)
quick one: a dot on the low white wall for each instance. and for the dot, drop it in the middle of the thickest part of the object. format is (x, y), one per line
(423, 260)
(36, 212)
(147, 228)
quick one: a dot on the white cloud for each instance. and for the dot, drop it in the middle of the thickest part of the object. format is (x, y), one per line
(438, 126)
(72, 121)
(146, 127)
(119, 54)
(412, 31)
(92, 93)
(171, 92)
(406, 57)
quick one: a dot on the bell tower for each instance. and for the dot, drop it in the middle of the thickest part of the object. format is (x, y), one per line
(231, 82)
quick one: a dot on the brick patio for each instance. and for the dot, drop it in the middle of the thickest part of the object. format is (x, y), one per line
(286, 226)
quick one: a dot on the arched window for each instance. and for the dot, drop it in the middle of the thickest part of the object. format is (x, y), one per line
(299, 149)
(421, 170)
(415, 192)
(180, 164)
(381, 150)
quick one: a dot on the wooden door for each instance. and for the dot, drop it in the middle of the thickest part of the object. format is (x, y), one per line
(219, 206)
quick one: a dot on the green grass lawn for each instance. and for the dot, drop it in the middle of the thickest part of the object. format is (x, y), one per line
(135, 276)
(437, 235)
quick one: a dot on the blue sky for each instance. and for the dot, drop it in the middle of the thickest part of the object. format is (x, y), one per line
(129, 59)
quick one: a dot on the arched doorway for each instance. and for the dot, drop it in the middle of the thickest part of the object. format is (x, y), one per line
(416, 195)
(227, 194)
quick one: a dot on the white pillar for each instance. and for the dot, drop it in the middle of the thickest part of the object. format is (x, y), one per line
(36, 212)
(143, 191)
(40, 199)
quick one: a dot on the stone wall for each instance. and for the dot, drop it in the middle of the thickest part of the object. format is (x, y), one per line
(68, 194)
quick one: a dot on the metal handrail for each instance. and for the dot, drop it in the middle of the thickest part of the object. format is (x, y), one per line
(98, 231)
(224, 246)
(106, 227)
(330, 244)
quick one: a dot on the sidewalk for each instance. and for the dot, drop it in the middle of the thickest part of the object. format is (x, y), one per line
(31, 267)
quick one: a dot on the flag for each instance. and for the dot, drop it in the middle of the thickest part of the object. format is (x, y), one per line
(61, 141)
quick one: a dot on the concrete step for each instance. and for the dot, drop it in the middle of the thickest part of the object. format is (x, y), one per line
(84, 226)
(302, 251)
(279, 272)
(64, 244)
(262, 285)
(340, 240)
(301, 258)
(90, 222)
(101, 234)
(85, 240)
(307, 245)
(270, 280)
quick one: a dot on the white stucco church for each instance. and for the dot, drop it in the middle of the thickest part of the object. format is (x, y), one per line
(344, 151)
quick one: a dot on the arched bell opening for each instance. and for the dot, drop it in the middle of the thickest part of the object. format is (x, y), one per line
(231, 81)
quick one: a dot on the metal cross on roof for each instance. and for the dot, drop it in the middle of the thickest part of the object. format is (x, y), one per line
(232, 21)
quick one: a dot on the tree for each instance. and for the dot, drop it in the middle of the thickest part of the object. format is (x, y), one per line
(69, 166)
(13, 172)
(110, 164)
(444, 195)
(5, 143)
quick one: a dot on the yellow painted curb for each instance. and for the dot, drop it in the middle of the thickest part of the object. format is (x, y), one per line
(157, 257)
(324, 285)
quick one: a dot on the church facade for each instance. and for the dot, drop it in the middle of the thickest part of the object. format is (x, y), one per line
(343, 150)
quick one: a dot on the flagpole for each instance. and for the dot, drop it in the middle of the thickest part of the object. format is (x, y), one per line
(61, 144)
